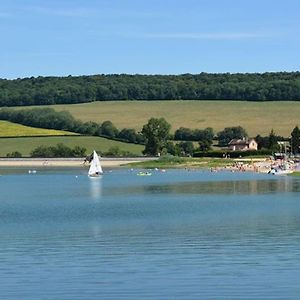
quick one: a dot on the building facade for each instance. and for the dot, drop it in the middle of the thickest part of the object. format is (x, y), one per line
(242, 144)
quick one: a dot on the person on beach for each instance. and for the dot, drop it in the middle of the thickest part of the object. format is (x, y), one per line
(88, 159)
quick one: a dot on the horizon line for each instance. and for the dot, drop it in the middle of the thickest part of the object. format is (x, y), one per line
(148, 74)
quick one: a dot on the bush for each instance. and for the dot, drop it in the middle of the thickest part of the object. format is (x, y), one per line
(60, 150)
(232, 154)
(116, 152)
(171, 159)
(15, 154)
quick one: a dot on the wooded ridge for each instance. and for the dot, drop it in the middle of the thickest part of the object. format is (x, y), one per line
(204, 86)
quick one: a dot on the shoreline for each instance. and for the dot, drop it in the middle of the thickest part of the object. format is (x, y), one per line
(260, 165)
(68, 162)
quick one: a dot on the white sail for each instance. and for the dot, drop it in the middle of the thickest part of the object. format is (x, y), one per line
(95, 167)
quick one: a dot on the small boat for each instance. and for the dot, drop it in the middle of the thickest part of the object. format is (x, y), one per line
(95, 169)
(280, 172)
(144, 174)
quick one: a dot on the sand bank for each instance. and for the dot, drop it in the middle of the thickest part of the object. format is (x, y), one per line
(66, 162)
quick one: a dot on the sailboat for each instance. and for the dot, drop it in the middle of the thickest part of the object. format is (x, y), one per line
(95, 167)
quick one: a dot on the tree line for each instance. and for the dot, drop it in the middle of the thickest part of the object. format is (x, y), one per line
(61, 150)
(158, 141)
(157, 136)
(48, 118)
(40, 90)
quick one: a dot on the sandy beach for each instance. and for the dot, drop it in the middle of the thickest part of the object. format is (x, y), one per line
(66, 162)
(241, 165)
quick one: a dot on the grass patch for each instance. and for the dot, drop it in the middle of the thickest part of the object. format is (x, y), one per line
(255, 117)
(295, 174)
(26, 145)
(184, 162)
(9, 129)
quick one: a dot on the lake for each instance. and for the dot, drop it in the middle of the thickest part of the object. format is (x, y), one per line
(177, 234)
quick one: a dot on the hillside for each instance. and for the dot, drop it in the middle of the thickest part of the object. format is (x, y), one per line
(255, 117)
(8, 129)
(26, 145)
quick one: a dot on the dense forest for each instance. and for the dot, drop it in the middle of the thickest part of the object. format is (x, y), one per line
(203, 86)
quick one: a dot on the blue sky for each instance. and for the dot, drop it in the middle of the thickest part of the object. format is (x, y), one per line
(81, 37)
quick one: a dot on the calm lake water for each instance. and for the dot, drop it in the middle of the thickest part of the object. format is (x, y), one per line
(174, 235)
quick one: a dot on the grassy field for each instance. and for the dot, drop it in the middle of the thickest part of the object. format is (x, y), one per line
(8, 129)
(26, 145)
(184, 162)
(255, 117)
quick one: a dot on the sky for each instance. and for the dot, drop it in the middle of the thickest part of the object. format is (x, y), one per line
(85, 37)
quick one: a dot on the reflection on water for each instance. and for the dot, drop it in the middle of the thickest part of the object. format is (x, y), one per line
(246, 187)
(173, 235)
(96, 188)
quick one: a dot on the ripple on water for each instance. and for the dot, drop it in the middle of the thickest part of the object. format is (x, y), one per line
(179, 234)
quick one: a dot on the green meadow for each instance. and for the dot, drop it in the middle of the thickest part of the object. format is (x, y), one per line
(255, 117)
(184, 162)
(26, 144)
(8, 129)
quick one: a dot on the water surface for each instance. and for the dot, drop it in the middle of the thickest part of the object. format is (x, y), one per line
(179, 234)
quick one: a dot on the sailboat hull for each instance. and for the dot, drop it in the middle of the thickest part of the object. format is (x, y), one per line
(95, 175)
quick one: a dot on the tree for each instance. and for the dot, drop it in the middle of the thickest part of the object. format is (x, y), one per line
(272, 141)
(128, 134)
(205, 145)
(295, 140)
(187, 148)
(79, 151)
(262, 141)
(108, 129)
(88, 128)
(183, 134)
(205, 134)
(156, 133)
(229, 133)
(172, 149)
(42, 151)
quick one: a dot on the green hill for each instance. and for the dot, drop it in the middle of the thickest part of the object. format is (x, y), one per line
(255, 117)
(26, 145)
(8, 129)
